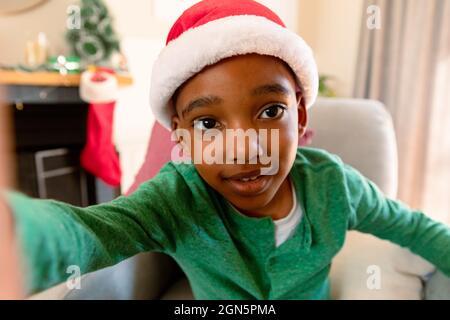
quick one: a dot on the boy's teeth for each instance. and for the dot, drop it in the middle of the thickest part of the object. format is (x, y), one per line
(248, 179)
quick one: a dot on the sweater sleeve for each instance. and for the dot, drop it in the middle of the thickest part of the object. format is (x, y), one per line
(391, 220)
(54, 236)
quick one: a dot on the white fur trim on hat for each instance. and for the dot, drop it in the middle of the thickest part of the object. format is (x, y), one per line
(98, 91)
(207, 44)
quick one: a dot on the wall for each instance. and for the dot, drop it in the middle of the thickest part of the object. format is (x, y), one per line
(332, 29)
(15, 30)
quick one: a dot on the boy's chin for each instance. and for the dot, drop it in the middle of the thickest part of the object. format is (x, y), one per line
(252, 206)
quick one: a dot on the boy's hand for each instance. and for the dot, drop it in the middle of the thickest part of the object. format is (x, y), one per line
(10, 284)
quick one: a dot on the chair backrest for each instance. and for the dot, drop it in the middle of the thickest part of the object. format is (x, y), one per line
(362, 134)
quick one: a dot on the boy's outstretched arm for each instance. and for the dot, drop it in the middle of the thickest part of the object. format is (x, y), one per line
(54, 236)
(392, 220)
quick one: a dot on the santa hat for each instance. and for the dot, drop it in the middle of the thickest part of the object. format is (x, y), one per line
(212, 30)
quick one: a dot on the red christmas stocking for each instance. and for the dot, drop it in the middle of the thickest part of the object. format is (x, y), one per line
(99, 157)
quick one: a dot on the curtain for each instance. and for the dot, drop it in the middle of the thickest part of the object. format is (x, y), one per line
(406, 65)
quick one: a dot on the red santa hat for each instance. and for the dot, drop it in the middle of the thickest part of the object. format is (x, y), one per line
(212, 30)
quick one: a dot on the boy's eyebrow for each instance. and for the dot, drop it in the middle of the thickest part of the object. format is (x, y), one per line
(201, 102)
(271, 88)
(209, 100)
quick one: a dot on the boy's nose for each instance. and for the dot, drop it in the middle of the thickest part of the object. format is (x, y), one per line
(242, 146)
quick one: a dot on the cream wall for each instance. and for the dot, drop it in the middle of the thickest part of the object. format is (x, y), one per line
(15, 30)
(332, 29)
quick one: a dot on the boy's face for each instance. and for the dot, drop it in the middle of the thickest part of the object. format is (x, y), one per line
(244, 92)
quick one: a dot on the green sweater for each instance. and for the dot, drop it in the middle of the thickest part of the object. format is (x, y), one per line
(224, 254)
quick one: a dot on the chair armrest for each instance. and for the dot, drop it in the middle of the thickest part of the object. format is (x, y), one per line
(144, 276)
(437, 287)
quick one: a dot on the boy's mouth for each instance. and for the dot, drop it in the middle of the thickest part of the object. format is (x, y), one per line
(248, 183)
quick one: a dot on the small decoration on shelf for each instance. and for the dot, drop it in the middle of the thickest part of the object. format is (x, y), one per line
(63, 64)
(95, 41)
(36, 51)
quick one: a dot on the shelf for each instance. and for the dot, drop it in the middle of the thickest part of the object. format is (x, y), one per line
(17, 78)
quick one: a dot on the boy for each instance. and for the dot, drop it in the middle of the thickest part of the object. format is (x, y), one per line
(247, 229)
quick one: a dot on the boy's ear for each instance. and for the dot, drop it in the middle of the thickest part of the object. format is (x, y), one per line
(175, 126)
(302, 116)
(175, 122)
(178, 136)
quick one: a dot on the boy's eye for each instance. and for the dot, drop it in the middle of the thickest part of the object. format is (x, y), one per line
(274, 111)
(205, 124)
